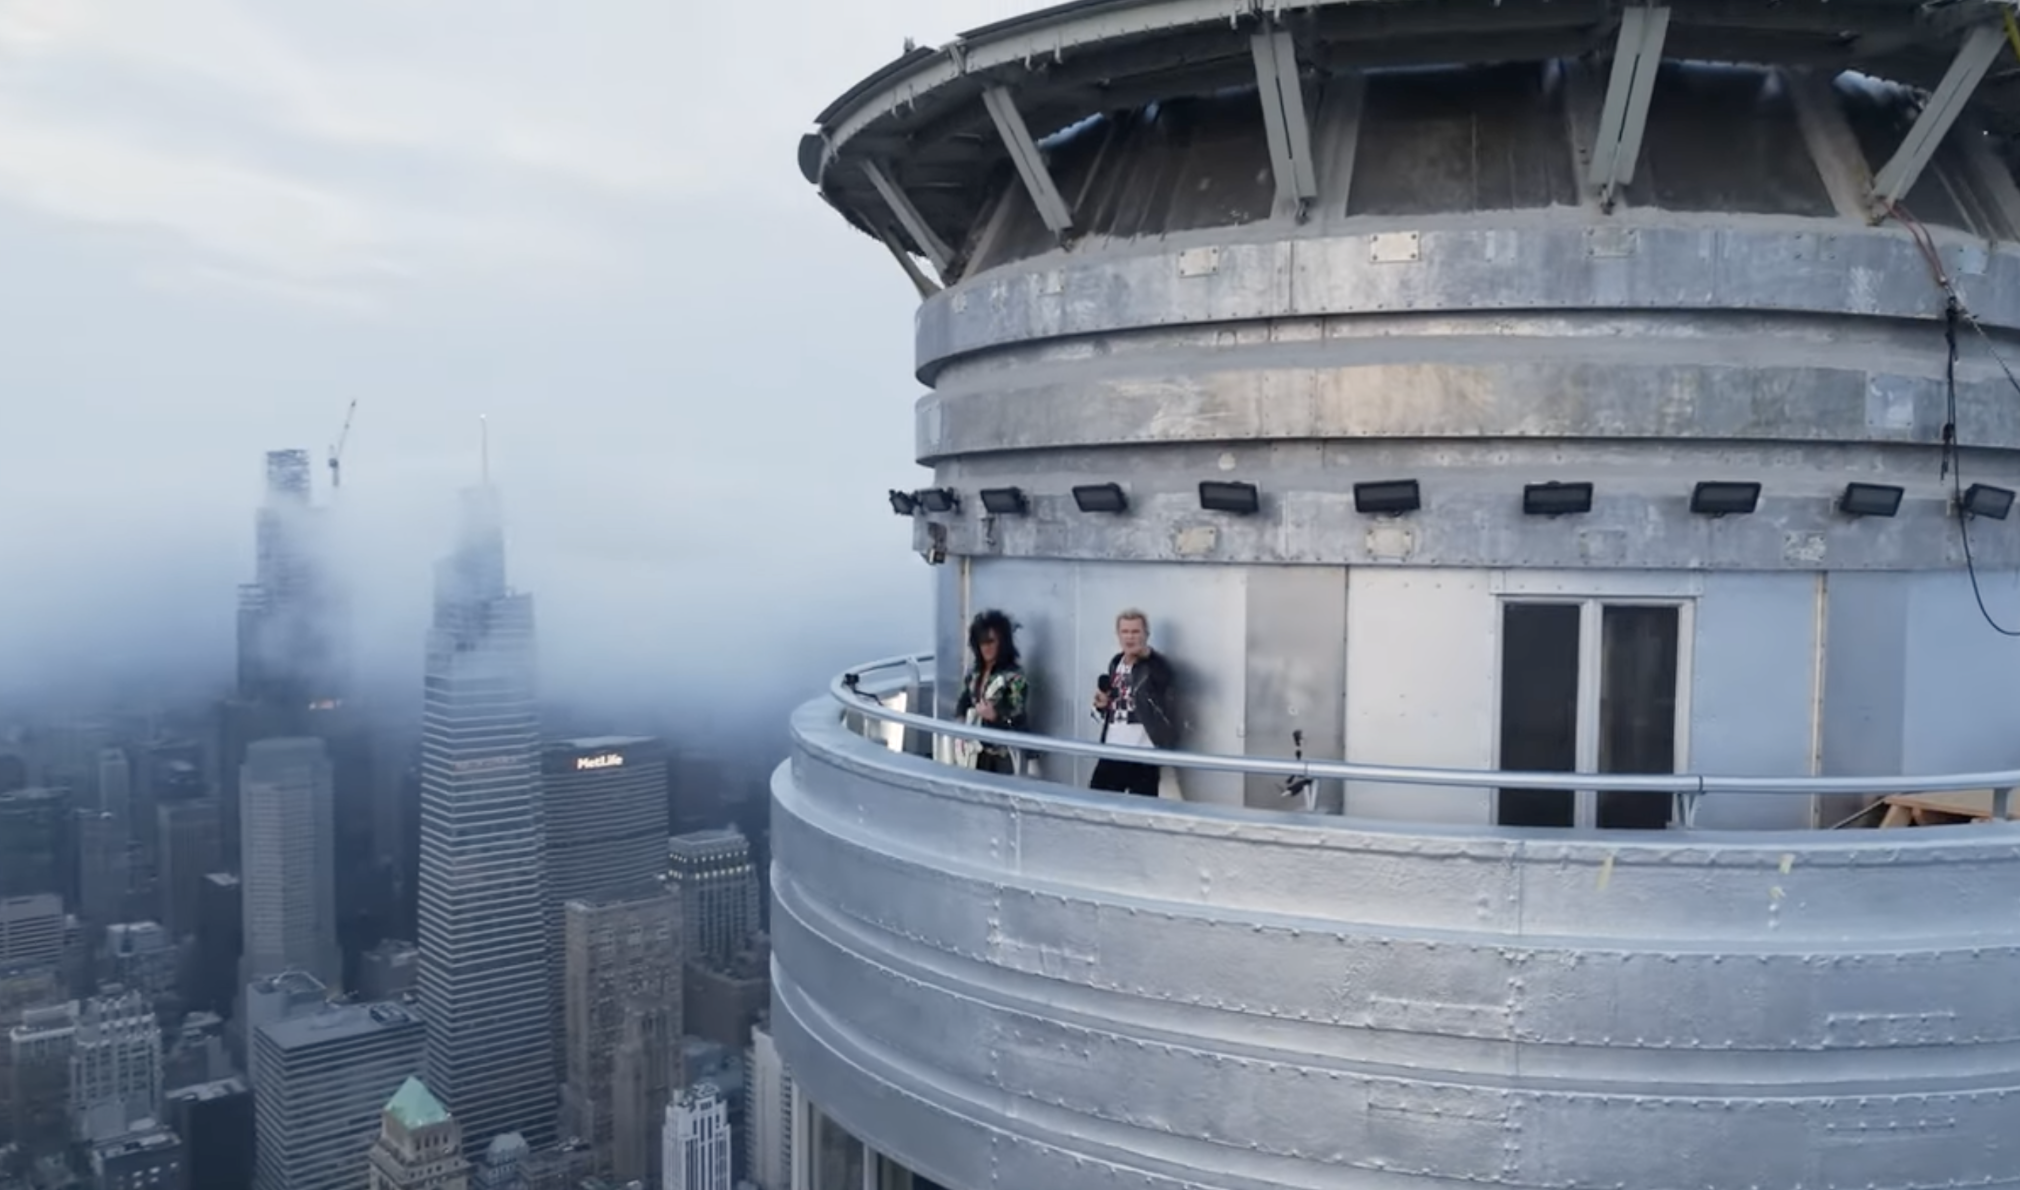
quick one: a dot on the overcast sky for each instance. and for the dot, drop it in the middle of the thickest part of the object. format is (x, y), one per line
(221, 220)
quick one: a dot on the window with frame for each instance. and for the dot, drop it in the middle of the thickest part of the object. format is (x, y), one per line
(1590, 685)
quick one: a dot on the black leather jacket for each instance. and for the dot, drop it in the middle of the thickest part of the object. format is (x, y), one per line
(1150, 686)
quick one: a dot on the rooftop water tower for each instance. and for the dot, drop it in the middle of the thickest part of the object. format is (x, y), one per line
(1512, 386)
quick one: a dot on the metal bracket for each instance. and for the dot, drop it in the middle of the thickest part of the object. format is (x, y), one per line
(1029, 162)
(1284, 120)
(909, 218)
(1625, 115)
(1946, 103)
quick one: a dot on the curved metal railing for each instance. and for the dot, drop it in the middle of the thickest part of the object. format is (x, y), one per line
(858, 696)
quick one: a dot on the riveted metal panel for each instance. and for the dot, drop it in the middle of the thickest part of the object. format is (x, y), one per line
(1005, 987)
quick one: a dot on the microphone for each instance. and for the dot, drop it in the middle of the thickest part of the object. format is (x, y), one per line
(1105, 683)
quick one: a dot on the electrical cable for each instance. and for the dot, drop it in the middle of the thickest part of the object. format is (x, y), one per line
(1954, 310)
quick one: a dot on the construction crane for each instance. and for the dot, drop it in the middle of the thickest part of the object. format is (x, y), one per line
(337, 451)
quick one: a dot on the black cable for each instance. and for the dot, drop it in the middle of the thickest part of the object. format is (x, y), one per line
(1952, 451)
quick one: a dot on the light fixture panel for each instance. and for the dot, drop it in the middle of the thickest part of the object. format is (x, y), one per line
(939, 500)
(1984, 500)
(1388, 497)
(1718, 497)
(1556, 498)
(1100, 497)
(1004, 501)
(1220, 495)
(1870, 499)
(903, 503)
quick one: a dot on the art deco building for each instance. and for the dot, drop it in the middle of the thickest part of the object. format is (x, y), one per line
(420, 1146)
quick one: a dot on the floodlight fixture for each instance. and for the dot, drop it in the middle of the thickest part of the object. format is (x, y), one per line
(1220, 495)
(1870, 499)
(903, 503)
(1987, 501)
(1100, 497)
(1387, 497)
(1718, 497)
(939, 500)
(1004, 502)
(1556, 499)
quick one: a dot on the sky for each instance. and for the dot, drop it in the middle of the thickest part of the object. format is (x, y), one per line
(221, 221)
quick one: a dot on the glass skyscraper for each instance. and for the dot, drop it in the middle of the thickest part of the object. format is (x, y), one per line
(484, 954)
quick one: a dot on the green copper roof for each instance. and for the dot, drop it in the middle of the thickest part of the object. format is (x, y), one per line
(415, 1106)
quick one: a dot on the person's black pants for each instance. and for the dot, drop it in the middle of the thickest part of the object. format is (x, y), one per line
(1125, 776)
(996, 762)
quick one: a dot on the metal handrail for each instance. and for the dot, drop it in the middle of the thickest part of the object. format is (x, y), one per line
(848, 690)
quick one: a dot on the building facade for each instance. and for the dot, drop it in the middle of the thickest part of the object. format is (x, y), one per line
(115, 1066)
(39, 1065)
(420, 1146)
(719, 892)
(192, 847)
(1558, 422)
(484, 951)
(150, 1157)
(697, 1140)
(768, 1114)
(289, 895)
(604, 809)
(624, 1022)
(325, 1077)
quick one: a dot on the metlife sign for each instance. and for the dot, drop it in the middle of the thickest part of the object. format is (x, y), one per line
(606, 760)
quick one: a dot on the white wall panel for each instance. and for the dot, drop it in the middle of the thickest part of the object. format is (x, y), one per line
(1753, 693)
(1421, 667)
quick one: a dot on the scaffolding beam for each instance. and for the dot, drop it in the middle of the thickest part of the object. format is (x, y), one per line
(1946, 103)
(1624, 115)
(1284, 120)
(1029, 161)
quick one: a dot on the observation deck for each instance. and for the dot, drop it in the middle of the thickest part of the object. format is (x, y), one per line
(1588, 431)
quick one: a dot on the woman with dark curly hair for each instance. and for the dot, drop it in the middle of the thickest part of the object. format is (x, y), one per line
(994, 692)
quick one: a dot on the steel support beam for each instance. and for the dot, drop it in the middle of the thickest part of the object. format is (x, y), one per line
(1029, 162)
(1832, 144)
(1284, 122)
(1946, 103)
(1624, 116)
(908, 218)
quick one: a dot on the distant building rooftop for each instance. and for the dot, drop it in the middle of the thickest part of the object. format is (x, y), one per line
(415, 1106)
(593, 742)
(694, 841)
(339, 1023)
(215, 1089)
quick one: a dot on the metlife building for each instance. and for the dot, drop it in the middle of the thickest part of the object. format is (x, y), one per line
(605, 804)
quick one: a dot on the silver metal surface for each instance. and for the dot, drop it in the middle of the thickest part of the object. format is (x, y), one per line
(1478, 266)
(1284, 123)
(1025, 155)
(1625, 114)
(1898, 175)
(1008, 986)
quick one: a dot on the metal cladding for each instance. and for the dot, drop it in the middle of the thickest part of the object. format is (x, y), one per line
(1001, 984)
(1398, 265)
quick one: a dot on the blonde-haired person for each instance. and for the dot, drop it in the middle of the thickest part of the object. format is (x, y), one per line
(1133, 699)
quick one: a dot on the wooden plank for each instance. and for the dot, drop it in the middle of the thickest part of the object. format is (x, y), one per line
(1969, 803)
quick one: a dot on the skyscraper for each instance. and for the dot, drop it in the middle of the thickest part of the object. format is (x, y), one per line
(624, 1023)
(768, 1113)
(604, 813)
(697, 1140)
(290, 910)
(420, 1146)
(292, 636)
(484, 953)
(719, 892)
(325, 1078)
(115, 1066)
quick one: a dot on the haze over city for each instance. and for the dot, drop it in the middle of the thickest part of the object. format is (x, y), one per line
(224, 221)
